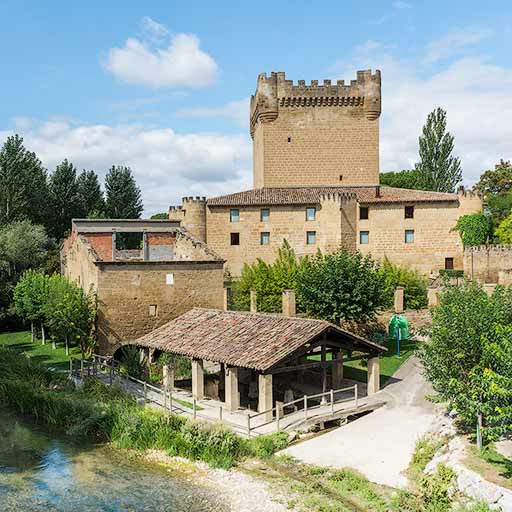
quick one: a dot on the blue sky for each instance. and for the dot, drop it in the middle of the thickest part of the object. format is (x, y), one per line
(164, 87)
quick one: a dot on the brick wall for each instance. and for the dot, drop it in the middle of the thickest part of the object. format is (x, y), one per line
(161, 239)
(102, 244)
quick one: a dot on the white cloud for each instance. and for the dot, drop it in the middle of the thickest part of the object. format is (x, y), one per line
(474, 92)
(167, 165)
(454, 42)
(401, 5)
(180, 63)
(237, 111)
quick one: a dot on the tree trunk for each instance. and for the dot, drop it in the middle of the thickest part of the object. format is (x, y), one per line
(43, 335)
(67, 346)
(54, 346)
(32, 331)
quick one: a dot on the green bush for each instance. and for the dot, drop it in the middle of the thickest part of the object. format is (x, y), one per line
(474, 229)
(414, 283)
(435, 489)
(266, 446)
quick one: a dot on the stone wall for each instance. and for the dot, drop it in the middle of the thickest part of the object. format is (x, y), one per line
(135, 299)
(488, 264)
(77, 263)
(316, 134)
(334, 225)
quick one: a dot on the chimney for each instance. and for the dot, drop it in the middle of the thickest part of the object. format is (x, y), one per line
(289, 302)
(377, 191)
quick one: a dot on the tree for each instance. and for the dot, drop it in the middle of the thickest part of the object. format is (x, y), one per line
(341, 286)
(22, 245)
(504, 231)
(269, 281)
(90, 195)
(162, 216)
(469, 357)
(64, 198)
(23, 184)
(437, 169)
(123, 199)
(401, 179)
(474, 229)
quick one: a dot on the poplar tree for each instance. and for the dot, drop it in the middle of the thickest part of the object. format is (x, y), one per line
(123, 196)
(437, 169)
(90, 195)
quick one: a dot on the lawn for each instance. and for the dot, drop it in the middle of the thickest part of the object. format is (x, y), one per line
(389, 362)
(491, 464)
(43, 353)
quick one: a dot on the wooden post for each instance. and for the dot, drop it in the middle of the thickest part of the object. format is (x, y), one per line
(356, 395)
(110, 370)
(70, 367)
(254, 301)
(248, 425)
(399, 299)
(170, 401)
(220, 413)
(82, 368)
(305, 407)
(194, 407)
(145, 393)
(332, 401)
(324, 376)
(278, 418)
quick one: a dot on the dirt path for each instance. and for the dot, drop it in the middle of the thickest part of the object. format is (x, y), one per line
(379, 445)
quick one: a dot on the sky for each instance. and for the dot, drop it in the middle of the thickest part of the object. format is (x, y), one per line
(164, 86)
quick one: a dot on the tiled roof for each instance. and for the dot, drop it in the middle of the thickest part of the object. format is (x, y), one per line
(247, 340)
(312, 195)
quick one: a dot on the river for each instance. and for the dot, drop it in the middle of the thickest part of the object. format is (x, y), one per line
(46, 472)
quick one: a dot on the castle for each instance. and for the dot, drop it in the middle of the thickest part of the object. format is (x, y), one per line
(316, 184)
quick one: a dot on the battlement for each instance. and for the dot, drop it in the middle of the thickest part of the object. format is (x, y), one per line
(338, 197)
(192, 199)
(275, 92)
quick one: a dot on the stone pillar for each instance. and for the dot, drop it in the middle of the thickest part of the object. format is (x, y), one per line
(197, 379)
(337, 371)
(225, 300)
(489, 288)
(168, 380)
(373, 375)
(433, 297)
(399, 299)
(265, 398)
(254, 301)
(114, 246)
(289, 303)
(232, 395)
(145, 246)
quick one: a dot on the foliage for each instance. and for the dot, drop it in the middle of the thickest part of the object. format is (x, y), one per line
(265, 446)
(474, 229)
(504, 231)
(414, 283)
(451, 273)
(435, 489)
(130, 361)
(123, 196)
(23, 187)
(408, 178)
(495, 181)
(498, 206)
(90, 195)
(64, 198)
(161, 216)
(341, 286)
(269, 280)
(182, 365)
(469, 358)
(437, 169)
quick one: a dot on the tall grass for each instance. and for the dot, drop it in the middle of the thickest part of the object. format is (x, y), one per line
(108, 414)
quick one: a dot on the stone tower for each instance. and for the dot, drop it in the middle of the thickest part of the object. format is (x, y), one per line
(192, 215)
(316, 135)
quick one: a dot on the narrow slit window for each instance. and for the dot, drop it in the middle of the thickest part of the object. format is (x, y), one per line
(235, 238)
(409, 236)
(264, 214)
(234, 215)
(409, 212)
(310, 214)
(364, 237)
(311, 237)
(363, 212)
(264, 238)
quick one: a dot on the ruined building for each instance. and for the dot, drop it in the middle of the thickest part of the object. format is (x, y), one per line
(316, 184)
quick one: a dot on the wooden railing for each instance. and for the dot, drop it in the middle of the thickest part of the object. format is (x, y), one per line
(165, 398)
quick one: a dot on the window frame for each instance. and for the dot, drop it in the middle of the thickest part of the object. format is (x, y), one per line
(365, 209)
(262, 235)
(231, 216)
(262, 219)
(237, 236)
(452, 263)
(408, 232)
(308, 234)
(308, 209)
(409, 208)
(367, 233)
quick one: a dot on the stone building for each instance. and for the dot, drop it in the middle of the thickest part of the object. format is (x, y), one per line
(144, 272)
(316, 184)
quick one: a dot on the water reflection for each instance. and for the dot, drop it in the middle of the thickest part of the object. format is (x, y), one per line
(39, 472)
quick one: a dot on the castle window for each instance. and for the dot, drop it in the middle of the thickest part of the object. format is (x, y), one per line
(234, 215)
(311, 237)
(235, 238)
(409, 236)
(363, 212)
(152, 309)
(409, 212)
(448, 263)
(264, 238)
(310, 214)
(289, 140)
(364, 237)
(264, 214)
(341, 177)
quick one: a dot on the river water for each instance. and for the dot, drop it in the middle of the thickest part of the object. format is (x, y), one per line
(46, 472)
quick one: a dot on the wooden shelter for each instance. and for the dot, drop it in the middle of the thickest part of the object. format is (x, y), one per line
(266, 344)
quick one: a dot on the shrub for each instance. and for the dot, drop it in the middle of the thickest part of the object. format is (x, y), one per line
(266, 446)
(474, 229)
(435, 489)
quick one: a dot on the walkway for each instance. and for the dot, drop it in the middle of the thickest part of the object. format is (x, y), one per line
(379, 445)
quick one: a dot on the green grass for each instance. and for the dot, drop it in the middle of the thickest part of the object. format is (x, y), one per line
(44, 354)
(389, 362)
(491, 464)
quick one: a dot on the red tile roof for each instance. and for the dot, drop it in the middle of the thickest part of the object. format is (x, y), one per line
(247, 340)
(312, 195)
